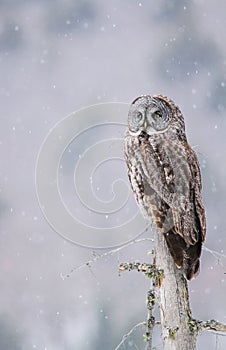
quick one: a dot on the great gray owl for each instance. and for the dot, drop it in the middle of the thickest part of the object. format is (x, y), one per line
(165, 177)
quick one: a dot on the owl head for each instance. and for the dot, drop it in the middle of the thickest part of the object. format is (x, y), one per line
(151, 115)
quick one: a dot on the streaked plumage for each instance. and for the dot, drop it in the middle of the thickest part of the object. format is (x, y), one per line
(165, 176)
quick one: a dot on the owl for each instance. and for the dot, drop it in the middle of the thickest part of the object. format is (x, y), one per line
(165, 177)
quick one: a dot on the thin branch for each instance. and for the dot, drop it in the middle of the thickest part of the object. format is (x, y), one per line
(140, 267)
(151, 300)
(217, 341)
(101, 256)
(148, 270)
(215, 254)
(211, 325)
(154, 274)
(124, 338)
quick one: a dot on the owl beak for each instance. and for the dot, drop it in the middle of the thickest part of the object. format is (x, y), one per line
(145, 124)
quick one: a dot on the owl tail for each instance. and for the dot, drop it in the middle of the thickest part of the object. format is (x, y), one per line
(185, 256)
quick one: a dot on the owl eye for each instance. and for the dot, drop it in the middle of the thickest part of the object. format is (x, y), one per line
(157, 115)
(138, 117)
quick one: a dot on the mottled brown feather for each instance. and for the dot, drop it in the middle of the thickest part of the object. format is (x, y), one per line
(165, 176)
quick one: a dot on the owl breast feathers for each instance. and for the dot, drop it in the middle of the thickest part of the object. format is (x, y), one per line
(165, 177)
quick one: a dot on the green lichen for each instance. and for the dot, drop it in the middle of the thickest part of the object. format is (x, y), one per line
(173, 332)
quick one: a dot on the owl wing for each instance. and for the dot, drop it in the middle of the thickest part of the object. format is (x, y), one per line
(194, 212)
(185, 241)
(171, 176)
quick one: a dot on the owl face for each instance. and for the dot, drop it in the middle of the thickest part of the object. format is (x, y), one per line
(150, 115)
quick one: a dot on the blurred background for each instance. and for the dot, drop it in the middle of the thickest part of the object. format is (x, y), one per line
(56, 57)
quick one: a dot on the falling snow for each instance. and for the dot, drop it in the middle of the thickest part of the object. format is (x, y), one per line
(51, 65)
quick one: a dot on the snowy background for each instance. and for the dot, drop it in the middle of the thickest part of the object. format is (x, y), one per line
(59, 56)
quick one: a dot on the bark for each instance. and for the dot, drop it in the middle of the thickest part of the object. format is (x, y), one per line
(178, 332)
(169, 290)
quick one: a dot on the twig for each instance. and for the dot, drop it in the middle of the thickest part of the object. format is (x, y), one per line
(129, 333)
(215, 254)
(154, 274)
(151, 300)
(210, 325)
(140, 267)
(217, 341)
(101, 256)
(148, 270)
